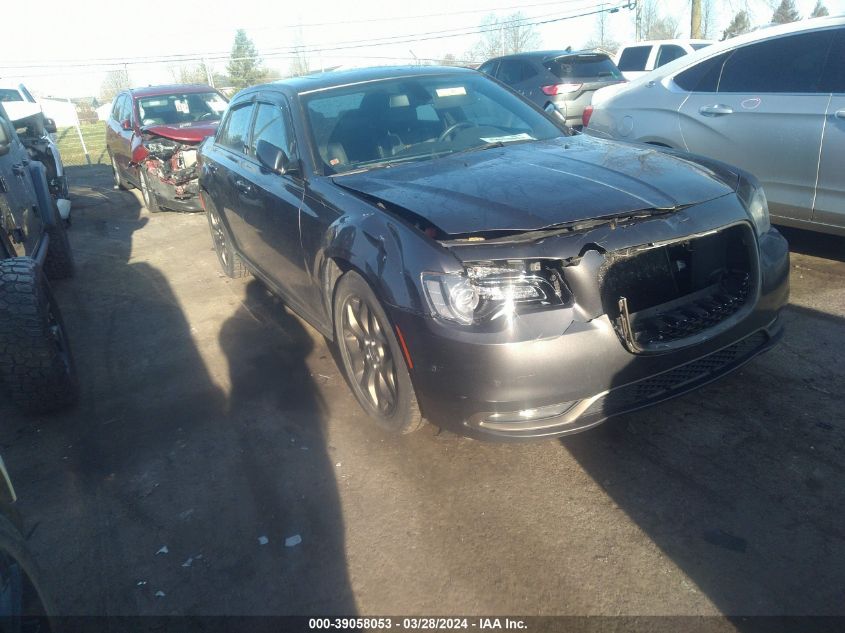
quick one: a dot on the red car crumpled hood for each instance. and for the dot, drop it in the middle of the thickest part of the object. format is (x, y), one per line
(185, 133)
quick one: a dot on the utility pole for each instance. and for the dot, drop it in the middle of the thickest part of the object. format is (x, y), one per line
(695, 20)
(638, 20)
(208, 74)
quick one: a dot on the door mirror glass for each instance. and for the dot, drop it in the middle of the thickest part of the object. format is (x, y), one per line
(126, 125)
(274, 158)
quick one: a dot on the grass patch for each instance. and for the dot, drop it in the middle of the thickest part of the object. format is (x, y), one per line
(70, 147)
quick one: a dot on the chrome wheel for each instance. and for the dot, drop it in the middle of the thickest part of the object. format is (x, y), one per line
(145, 192)
(371, 363)
(218, 234)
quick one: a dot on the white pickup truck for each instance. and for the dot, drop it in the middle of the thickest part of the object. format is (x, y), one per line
(38, 134)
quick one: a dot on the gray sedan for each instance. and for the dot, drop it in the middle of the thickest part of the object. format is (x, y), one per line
(771, 102)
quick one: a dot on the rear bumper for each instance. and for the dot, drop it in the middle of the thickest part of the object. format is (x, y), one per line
(554, 378)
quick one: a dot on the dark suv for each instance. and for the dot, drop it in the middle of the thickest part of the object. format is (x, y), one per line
(152, 138)
(36, 366)
(560, 82)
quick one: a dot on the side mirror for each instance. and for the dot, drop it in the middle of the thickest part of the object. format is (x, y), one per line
(126, 125)
(5, 138)
(274, 158)
(50, 126)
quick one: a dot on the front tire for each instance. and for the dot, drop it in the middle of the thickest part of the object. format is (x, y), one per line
(372, 358)
(230, 261)
(146, 193)
(36, 364)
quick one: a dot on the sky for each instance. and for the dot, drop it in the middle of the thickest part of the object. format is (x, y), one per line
(58, 58)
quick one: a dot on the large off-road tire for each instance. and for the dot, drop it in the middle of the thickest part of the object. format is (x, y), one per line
(119, 182)
(59, 263)
(146, 193)
(29, 607)
(372, 359)
(230, 261)
(36, 365)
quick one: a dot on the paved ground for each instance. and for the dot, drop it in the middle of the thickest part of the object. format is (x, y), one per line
(211, 417)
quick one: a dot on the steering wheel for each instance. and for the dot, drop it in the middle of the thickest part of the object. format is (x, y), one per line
(452, 128)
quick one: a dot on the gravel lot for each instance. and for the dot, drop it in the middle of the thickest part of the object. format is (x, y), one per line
(213, 420)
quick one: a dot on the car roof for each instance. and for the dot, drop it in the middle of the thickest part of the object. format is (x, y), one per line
(337, 78)
(546, 55)
(765, 33)
(674, 41)
(158, 91)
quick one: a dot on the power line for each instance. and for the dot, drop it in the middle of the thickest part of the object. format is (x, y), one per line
(112, 63)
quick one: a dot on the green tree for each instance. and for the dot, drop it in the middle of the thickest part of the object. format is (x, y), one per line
(739, 25)
(785, 13)
(820, 10)
(244, 67)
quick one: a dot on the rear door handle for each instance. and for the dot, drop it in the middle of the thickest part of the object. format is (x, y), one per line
(715, 110)
(839, 114)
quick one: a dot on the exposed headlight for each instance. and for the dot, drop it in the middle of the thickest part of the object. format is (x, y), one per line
(485, 291)
(754, 199)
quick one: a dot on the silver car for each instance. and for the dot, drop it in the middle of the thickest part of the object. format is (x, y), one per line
(771, 102)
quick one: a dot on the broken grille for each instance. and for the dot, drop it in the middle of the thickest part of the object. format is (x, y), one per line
(666, 384)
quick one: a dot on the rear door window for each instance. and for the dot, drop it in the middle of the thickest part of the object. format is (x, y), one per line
(234, 133)
(634, 58)
(668, 53)
(791, 64)
(704, 76)
(584, 66)
(514, 71)
(833, 77)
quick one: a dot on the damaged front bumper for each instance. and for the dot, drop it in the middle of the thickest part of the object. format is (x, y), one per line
(171, 170)
(563, 370)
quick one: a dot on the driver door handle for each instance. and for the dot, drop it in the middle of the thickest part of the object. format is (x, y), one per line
(715, 110)
(243, 186)
(839, 114)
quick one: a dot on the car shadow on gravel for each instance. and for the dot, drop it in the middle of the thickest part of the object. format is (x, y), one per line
(814, 243)
(741, 483)
(161, 493)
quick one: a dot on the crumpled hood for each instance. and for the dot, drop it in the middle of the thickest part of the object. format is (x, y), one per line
(531, 186)
(184, 133)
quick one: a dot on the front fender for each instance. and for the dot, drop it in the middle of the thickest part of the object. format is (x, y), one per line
(38, 174)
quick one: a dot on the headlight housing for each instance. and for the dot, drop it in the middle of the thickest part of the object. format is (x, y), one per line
(490, 290)
(754, 200)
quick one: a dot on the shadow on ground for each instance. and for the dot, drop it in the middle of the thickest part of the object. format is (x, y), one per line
(160, 480)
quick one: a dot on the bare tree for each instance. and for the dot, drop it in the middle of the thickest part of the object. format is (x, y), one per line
(299, 65)
(115, 81)
(449, 60)
(602, 40)
(505, 36)
(708, 19)
(197, 74)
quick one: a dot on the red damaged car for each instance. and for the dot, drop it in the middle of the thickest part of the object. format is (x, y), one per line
(152, 139)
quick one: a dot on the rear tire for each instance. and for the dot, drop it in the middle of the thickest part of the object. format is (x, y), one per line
(230, 261)
(146, 193)
(59, 263)
(372, 359)
(36, 364)
(119, 183)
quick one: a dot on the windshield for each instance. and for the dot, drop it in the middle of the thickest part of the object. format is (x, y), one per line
(382, 123)
(180, 108)
(584, 66)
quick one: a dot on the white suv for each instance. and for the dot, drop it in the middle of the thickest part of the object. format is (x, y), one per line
(639, 58)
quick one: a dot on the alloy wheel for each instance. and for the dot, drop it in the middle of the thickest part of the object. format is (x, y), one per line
(371, 364)
(218, 234)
